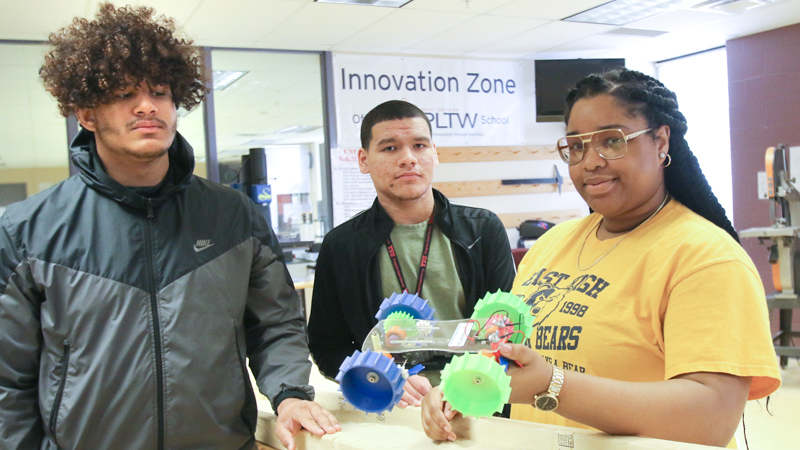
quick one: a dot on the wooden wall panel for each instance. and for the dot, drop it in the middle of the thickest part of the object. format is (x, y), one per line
(509, 153)
(457, 189)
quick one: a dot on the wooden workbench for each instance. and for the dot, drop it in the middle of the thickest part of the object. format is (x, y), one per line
(402, 429)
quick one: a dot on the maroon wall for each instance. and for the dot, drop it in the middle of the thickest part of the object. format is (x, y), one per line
(764, 89)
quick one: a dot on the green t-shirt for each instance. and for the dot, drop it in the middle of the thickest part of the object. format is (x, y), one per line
(442, 287)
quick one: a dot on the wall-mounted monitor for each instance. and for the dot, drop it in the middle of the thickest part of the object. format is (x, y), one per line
(555, 77)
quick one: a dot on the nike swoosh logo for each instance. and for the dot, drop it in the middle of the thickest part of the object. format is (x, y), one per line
(200, 249)
(469, 247)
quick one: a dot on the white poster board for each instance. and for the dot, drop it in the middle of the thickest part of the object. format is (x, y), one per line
(469, 102)
(353, 191)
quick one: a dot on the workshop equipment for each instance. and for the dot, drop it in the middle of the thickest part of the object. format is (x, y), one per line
(783, 240)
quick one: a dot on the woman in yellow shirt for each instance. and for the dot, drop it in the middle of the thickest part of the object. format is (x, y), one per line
(650, 318)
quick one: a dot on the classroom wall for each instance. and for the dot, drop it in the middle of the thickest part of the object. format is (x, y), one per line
(764, 93)
(37, 178)
(536, 134)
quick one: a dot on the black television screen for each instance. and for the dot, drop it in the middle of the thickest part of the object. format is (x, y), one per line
(555, 77)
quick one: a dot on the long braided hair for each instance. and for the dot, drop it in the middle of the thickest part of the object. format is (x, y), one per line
(648, 97)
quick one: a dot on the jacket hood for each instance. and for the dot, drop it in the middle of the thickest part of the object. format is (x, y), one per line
(83, 152)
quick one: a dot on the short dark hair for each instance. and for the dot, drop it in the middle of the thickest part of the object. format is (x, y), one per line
(391, 110)
(649, 98)
(90, 61)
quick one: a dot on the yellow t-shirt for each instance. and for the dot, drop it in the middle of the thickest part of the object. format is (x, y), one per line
(677, 295)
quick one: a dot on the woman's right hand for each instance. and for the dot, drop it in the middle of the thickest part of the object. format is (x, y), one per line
(530, 373)
(436, 416)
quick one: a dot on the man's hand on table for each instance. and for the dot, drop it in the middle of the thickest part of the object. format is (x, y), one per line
(295, 414)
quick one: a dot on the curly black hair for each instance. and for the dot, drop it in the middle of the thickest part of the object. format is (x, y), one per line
(90, 61)
(648, 97)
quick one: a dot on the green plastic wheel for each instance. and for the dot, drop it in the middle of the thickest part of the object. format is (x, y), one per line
(403, 320)
(475, 385)
(512, 307)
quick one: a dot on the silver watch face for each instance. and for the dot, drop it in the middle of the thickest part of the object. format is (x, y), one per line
(546, 402)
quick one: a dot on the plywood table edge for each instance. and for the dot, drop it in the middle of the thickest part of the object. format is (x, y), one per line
(403, 429)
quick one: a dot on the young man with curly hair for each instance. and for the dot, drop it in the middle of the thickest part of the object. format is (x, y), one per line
(132, 294)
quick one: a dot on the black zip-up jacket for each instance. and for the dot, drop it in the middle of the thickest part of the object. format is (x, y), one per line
(347, 283)
(125, 321)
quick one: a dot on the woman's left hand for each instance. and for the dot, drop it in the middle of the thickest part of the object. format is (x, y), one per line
(436, 416)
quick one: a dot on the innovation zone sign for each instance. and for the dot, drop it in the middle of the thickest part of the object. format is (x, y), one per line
(469, 102)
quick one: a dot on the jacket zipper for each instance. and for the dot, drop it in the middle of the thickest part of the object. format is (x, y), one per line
(474, 296)
(60, 393)
(151, 273)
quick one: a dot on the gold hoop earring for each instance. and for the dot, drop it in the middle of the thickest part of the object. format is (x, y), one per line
(668, 160)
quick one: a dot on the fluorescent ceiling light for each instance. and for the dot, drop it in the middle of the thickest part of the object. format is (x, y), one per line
(297, 129)
(732, 6)
(635, 32)
(388, 3)
(621, 12)
(225, 78)
(260, 143)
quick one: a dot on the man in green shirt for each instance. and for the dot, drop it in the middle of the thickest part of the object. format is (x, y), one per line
(411, 239)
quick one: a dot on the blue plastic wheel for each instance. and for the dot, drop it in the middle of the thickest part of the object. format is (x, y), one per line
(371, 382)
(407, 303)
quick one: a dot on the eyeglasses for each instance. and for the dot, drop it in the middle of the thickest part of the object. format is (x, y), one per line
(610, 144)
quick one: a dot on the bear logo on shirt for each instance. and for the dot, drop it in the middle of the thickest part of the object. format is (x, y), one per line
(551, 289)
(545, 300)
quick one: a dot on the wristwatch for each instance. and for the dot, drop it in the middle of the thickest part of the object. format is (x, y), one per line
(548, 401)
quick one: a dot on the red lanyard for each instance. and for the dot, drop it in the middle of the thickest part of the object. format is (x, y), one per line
(423, 263)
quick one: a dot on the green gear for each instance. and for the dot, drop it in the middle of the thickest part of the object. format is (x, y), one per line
(475, 385)
(401, 319)
(513, 307)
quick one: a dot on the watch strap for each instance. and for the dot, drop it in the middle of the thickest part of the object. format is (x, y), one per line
(557, 381)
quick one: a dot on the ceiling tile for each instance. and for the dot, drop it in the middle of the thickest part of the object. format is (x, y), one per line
(761, 19)
(23, 20)
(493, 28)
(564, 54)
(506, 55)
(545, 37)
(680, 19)
(545, 9)
(181, 10)
(406, 27)
(312, 25)
(430, 52)
(467, 6)
(670, 45)
(603, 42)
(366, 48)
(239, 20)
